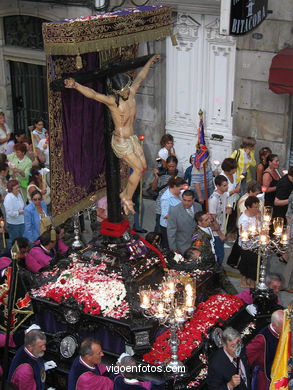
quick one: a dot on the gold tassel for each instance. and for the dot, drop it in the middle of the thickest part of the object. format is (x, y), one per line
(78, 62)
(53, 236)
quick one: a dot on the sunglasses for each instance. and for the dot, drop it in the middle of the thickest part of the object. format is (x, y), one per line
(37, 199)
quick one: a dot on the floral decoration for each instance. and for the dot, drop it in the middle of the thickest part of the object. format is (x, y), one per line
(94, 289)
(219, 306)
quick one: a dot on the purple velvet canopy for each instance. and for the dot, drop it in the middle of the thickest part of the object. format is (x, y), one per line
(83, 131)
(76, 123)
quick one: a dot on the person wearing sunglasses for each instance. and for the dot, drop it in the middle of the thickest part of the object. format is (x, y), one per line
(36, 217)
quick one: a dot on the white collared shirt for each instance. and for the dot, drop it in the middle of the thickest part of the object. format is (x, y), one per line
(13, 204)
(85, 364)
(29, 353)
(241, 367)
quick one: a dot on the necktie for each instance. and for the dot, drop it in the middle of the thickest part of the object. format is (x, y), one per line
(241, 371)
(190, 212)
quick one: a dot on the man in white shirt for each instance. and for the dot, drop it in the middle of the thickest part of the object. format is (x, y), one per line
(218, 210)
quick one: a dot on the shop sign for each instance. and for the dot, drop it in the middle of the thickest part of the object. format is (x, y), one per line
(246, 15)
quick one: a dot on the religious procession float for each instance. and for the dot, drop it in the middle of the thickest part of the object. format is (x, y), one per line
(123, 291)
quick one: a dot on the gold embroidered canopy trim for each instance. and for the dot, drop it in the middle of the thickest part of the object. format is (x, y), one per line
(107, 31)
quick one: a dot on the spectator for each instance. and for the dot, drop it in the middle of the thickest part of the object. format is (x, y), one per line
(14, 139)
(41, 256)
(38, 183)
(14, 209)
(160, 184)
(248, 261)
(218, 208)
(170, 198)
(229, 166)
(197, 182)
(283, 191)
(4, 133)
(245, 160)
(181, 223)
(273, 281)
(27, 370)
(36, 218)
(253, 189)
(222, 367)
(20, 166)
(167, 149)
(44, 147)
(39, 131)
(263, 163)
(270, 179)
(36, 155)
(261, 351)
(87, 371)
(188, 171)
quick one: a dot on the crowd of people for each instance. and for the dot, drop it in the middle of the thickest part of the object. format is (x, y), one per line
(230, 366)
(25, 194)
(237, 196)
(184, 222)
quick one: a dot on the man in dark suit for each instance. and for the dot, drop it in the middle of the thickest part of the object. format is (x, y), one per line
(181, 223)
(222, 371)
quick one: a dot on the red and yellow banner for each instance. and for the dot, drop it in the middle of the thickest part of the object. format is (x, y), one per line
(279, 372)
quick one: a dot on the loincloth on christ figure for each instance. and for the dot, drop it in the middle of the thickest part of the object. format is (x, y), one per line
(127, 146)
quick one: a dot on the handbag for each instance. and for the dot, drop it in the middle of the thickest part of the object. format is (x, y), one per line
(45, 223)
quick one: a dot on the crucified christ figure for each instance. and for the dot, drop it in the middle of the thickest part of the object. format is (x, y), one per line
(122, 105)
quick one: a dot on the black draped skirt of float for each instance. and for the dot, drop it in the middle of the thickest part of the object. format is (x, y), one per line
(248, 264)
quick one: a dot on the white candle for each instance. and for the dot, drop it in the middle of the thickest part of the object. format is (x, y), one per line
(172, 287)
(278, 231)
(145, 301)
(189, 301)
(189, 289)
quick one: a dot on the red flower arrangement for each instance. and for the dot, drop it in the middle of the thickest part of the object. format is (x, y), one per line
(219, 306)
(96, 290)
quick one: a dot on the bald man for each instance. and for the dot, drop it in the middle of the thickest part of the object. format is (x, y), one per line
(261, 351)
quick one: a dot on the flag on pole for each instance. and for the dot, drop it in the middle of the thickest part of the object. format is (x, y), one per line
(202, 153)
(279, 371)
